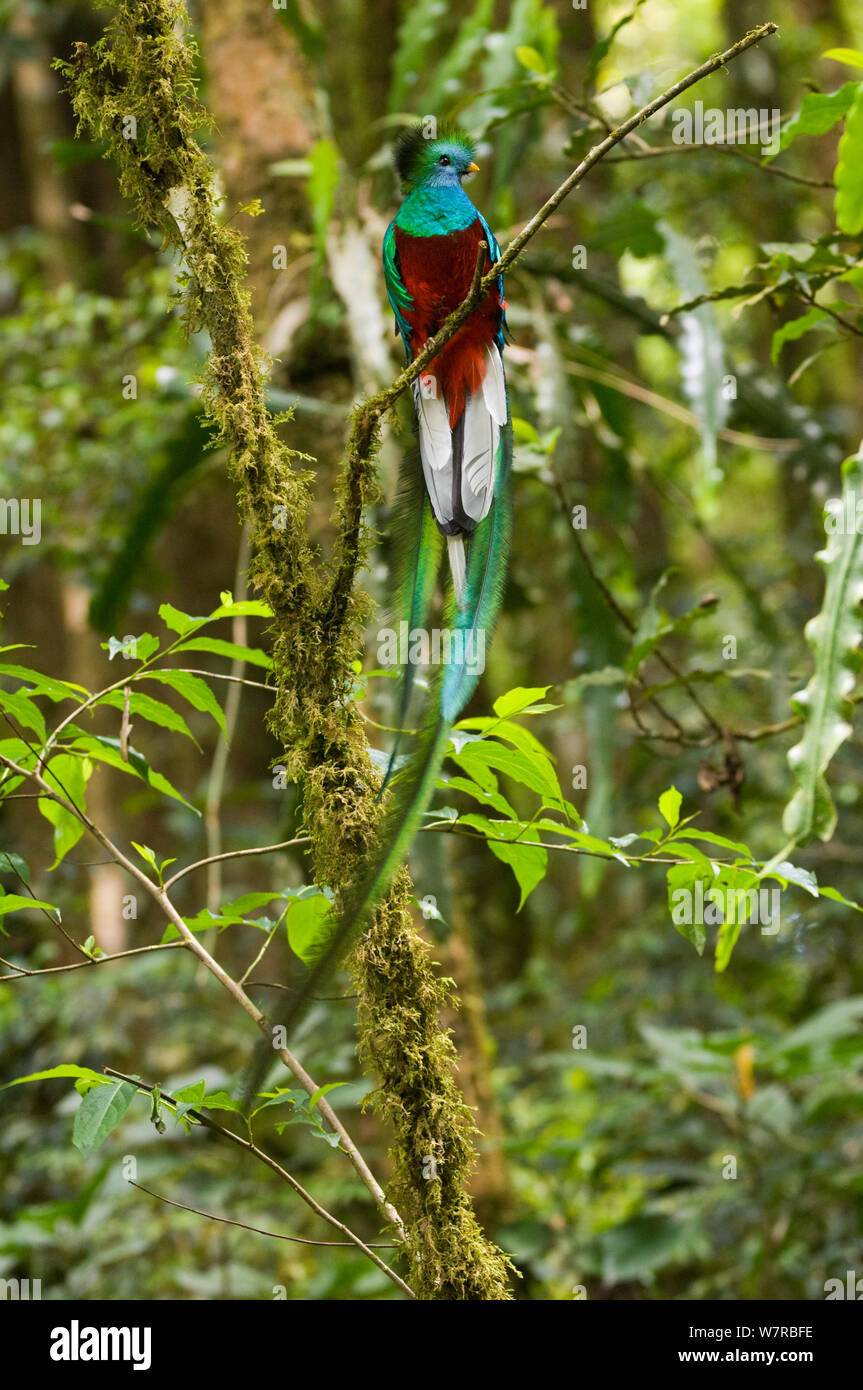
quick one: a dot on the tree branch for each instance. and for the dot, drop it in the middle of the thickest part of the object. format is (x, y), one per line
(203, 1119)
(159, 894)
(258, 1230)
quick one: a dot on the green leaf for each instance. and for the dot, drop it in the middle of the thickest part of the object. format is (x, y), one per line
(509, 732)
(139, 648)
(819, 112)
(99, 1113)
(790, 873)
(529, 863)
(520, 700)
(176, 620)
(96, 1078)
(145, 707)
(192, 688)
(67, 776)
(683, 877)
(219, 1100)
(669, 806)
(852, 56)
(835, 896)
(240, 608)
(837, 1020)
(146, 854)
(795, 328)
(321, 191)
(253, 655)
(628, 225)
(646, 1243)
(232, 914)
(486, 797)
(323, 1091)
(834, 636)
(107, 750)
(241, 907)
(11, 863)
(530, 59)
(702, 364)
(308, 922)
(726, 940)
(44, 685)
(691, 832)
(848, 175)
(17, 902)
(193, 1094)
(24, 712)
(529, 769)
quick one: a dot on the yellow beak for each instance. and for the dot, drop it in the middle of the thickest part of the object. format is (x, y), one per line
(473, 168)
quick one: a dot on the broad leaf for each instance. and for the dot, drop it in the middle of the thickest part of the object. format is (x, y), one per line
(99, 1113)
(834, 636)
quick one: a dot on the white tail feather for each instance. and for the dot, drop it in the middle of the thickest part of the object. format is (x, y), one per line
(435, 450)
(479, 456)
(458, 567)
(494, 384)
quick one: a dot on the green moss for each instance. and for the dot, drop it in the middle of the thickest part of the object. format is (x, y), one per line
(143, 68)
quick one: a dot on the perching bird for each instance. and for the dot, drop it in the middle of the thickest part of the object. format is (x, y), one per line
(430, 254)
(458, 488)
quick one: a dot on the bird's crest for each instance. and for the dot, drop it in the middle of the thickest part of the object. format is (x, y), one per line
(416, 154)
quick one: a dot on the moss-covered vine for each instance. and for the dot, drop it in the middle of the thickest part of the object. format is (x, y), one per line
(135, 90)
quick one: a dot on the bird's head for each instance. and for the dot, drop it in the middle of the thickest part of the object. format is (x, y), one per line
(441, 162)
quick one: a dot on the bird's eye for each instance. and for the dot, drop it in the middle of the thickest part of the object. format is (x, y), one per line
(444, 159)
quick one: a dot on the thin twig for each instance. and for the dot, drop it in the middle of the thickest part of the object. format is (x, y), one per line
(204, 1119)
(21, 971)
(236, 854)
(655, 151)
(258, 1230)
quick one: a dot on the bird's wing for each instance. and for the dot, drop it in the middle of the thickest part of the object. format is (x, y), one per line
(494, 252)
(400, 300)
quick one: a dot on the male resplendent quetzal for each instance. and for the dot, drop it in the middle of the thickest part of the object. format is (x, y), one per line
(430, 253)
(430, 256)
(459, 487)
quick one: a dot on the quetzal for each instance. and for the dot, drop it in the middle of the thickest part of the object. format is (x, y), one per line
(430, 254)
(459, 488)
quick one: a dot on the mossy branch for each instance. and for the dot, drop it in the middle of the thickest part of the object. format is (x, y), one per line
(135, 90)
